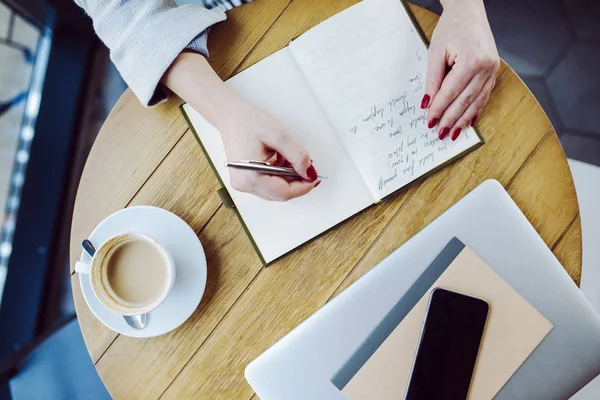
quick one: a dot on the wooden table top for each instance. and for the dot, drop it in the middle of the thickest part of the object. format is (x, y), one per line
(149, 156)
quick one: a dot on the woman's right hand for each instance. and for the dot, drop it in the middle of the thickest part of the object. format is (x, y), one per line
(248, 132)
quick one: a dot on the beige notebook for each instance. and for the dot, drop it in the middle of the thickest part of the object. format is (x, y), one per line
(513, 330)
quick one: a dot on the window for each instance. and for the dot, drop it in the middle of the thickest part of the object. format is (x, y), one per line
(24, 51)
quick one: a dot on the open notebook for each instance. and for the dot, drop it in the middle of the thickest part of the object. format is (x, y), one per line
(350, 90)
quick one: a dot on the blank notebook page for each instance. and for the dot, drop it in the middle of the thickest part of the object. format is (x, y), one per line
(276, 85)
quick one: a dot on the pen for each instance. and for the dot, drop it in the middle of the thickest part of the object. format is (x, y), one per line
(265, 168)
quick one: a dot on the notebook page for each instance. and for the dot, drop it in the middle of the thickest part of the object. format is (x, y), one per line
(276, 85)
(367, 66)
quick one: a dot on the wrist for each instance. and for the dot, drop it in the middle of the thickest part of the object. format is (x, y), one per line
(192, 78)
(225, 111)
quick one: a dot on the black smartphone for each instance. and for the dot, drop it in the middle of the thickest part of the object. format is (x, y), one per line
(448, 346)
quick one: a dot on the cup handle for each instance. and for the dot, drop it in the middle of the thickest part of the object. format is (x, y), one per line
(82, 267)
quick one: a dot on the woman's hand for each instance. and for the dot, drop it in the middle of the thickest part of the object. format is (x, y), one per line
(251, 134)
(462, 44)
(248, 132)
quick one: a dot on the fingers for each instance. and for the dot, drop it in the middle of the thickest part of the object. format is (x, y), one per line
(436, 71)
(271, 187)
(462, 95)
(275, 188)
(469, 117)
(458, 107)
(293, 152)
(453, 85)
(280, 161)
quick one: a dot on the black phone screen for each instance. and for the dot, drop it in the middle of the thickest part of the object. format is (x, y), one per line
(448, 348)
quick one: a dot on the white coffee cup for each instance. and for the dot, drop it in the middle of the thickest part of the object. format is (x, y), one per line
(114, 257)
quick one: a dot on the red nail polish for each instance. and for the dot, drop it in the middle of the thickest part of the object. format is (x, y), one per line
(443, 132)
(474, 119)
(425, 101)
(432, 123)
(312, 173)
(456, 133)
(317, 184)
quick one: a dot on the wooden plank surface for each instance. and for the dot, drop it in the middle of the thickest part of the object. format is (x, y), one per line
(244, 28)
(246, 308)
(232, 264)
(567, 250)
(184, 166)
(126, 152)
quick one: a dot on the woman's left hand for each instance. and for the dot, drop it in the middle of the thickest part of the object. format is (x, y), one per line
(463, 43)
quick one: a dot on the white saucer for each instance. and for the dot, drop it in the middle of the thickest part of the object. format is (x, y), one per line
(190, 265)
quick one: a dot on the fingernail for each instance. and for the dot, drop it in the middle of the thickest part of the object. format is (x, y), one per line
(456, 133)
(432, 123)
(317, 184)
(425, 101)
(443, 132)
(474, 119)
(312, 173)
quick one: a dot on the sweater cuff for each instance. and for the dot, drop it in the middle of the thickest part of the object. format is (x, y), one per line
(152, 56)
(199, 45)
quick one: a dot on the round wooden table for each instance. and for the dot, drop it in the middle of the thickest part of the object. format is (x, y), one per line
(148, 156)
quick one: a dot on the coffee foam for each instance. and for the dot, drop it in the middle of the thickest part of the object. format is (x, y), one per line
(99, 276)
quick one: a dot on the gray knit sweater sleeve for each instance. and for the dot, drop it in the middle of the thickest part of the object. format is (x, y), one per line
(145, 36)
